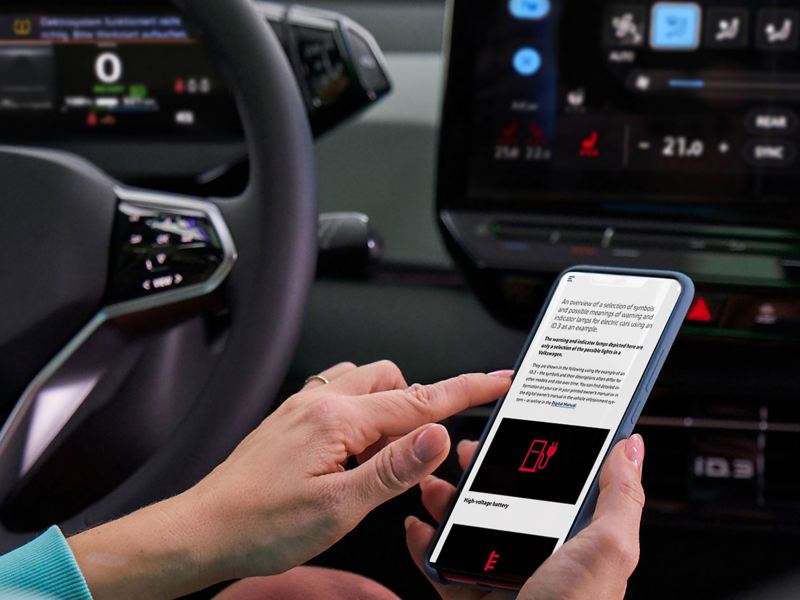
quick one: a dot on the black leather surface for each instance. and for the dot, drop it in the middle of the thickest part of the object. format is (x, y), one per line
(55, 229)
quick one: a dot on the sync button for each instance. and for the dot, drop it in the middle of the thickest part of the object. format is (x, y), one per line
(770, 153)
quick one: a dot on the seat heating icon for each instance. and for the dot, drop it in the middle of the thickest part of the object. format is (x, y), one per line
(589, 146)
(508, 135)
(538, 456)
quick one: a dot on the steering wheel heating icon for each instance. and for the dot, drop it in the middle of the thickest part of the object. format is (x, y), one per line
(538, 456)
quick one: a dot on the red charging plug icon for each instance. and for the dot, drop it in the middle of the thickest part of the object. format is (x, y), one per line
(538, 456)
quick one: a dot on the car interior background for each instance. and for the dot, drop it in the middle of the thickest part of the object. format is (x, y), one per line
(466, 154)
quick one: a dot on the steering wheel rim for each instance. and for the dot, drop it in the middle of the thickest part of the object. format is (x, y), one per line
(273, 223)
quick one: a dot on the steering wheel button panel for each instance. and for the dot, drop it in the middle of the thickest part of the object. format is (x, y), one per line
(165, 243)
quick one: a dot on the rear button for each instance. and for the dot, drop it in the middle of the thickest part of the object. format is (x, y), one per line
(775, 121)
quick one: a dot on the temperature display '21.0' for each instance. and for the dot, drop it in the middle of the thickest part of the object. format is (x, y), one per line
(680, 146)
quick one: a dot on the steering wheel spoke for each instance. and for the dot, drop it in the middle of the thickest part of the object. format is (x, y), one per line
(165, 249)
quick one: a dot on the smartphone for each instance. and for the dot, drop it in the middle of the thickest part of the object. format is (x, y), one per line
(580, 384)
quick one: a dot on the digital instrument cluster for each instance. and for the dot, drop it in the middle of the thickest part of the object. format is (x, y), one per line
(141, 70)
(128, 71)
(626, 100)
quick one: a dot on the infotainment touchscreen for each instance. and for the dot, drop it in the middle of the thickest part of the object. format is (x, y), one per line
(673, 101)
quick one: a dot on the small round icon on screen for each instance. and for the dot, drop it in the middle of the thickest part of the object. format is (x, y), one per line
(529, 9)
(527, 61)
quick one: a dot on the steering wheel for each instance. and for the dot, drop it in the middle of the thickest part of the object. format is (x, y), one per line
(79, 248)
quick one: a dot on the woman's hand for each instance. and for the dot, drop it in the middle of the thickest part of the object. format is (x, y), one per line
(283, 495)
(595, 564)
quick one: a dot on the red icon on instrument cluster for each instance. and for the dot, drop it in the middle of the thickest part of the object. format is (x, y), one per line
(538, 456)
(589, 145)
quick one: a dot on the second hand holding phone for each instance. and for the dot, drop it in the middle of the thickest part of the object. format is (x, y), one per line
(580, 384)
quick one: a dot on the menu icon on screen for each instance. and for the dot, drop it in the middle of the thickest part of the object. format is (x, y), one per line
(675, 26)
(625, 26)
(727, 28)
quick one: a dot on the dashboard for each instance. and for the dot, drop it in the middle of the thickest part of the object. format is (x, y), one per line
(636, 133)
(650, 134)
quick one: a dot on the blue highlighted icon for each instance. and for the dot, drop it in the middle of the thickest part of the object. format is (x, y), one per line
(527, 61)
(529, 9)
(675, 26)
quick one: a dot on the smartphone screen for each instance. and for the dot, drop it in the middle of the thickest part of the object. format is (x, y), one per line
(555, 426)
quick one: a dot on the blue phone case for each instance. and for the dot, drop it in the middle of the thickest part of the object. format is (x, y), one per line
(630, 417)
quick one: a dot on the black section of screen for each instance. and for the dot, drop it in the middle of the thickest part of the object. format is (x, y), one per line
(539, 461)
(491, 555)
(122, 70)
(565, 108)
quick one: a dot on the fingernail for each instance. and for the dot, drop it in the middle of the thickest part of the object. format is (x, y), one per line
(409, 522)
(427, 480)
(634, 449)
(430, 442)
(461, 444)
(504, 373)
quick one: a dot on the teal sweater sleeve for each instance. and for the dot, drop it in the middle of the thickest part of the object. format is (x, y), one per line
(43, 569)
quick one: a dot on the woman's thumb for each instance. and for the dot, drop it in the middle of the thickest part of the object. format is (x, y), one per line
(399, 466)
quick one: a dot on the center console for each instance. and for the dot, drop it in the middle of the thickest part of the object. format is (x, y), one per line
(656, 135)
(642, 134)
